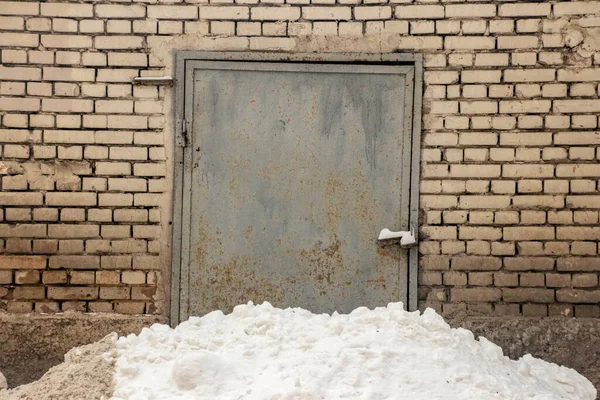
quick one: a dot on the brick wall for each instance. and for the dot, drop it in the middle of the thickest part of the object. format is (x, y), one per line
(510, 144)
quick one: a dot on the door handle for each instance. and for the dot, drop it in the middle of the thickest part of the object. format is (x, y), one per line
(407, 238)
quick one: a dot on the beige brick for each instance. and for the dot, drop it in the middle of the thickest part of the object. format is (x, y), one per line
(479, 232)
(478, 107)
(82, 278)
(480, 76)
(66, 41)
(72, 293)
(54, 277)
(19, 8)
(576, 8)
(116, 262)
(528, 233)
(532, 295)
(16, 151)
(124, 215)
(146, 262)
(19, 73)
(476, 263)
(525, 106)
(18, 39)
(127, 122)
(577, 170)
(149, 169)
(114, 106)
(538, 201)
(120, 11)
(476, 294)
(67, 105)
(91, 26)
(67, 10)
(470, 10)
(581, 106)
(189, 12)
(113, 168)
(73, 231)
(143, 293)
(578, 296)
(491, 59)
(22, 262)
(133, 277)
(74, 262)
(21, 199)
(524, 10)
(114, 293)
(373, 13)
(591, 264)
(13, 23)
(129, 307)
(419, 11)
(474, 170)
(19, 104)
(108, 277)
(146, 231)
(118, 26)
(127, 185)
(115, 199)
(118, 42)
(327, 13)
(528, 75)
(94, 59)
(469, 43)
(128, 59)
(29, 292)
(128, 153)
(70, 199)
(276, 13)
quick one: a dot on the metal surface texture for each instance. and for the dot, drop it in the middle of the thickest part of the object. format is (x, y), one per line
(290, 172)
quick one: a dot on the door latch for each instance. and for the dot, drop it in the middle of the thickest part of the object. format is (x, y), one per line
(407, 238)
(183, 139)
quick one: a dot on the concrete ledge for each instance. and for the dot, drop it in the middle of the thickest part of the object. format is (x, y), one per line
(572, 342)
(30, 344)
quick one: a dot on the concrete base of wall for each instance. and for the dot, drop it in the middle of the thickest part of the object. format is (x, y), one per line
(31, 344)
(572, 342)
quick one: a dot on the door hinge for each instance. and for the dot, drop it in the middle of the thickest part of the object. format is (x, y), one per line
(184, 138)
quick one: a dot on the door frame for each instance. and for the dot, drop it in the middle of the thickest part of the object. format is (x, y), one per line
(183, 153)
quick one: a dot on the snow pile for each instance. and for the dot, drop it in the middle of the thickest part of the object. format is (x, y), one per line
(87, 373)
(261, 352)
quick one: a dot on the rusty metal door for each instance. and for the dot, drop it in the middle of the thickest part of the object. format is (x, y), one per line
(293, 170)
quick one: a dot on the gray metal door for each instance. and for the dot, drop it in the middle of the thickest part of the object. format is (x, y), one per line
(293, 170)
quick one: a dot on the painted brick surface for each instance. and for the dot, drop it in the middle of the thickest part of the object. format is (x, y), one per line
(510, 151)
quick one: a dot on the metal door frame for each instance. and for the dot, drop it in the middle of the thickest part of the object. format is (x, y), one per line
(183, 153)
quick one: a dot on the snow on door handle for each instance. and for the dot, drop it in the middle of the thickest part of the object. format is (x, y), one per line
(406, 238)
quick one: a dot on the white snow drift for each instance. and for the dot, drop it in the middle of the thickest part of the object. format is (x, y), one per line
(261, 352)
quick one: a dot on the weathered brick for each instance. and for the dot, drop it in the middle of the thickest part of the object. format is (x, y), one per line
(578, 263)
(530, 295)
(22, 262)
(72, 293)
(73, 231)
(476, 263)
(419, 11)
(74, 262)
(578, 296)
(120, 11)
(19, 8)
(183, 12)
(476, 294)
